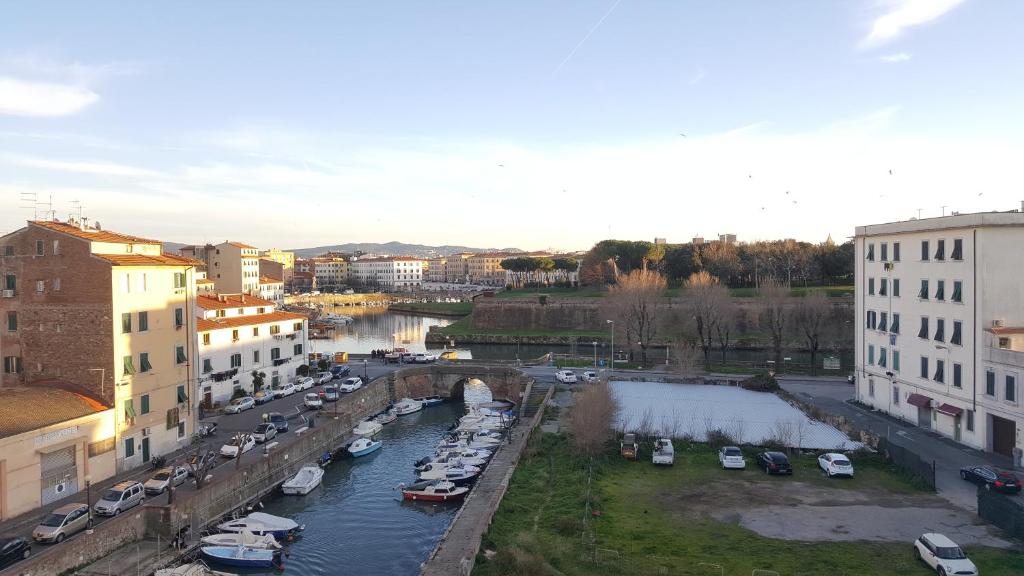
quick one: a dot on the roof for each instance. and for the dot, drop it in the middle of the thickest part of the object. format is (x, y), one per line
(1007, 330)
(225, 301)
(269, 280)
(204, 281)
(147, 260)
(92, 234)
(208, 324)
(242, 245)
(392, 259)
(31, 408)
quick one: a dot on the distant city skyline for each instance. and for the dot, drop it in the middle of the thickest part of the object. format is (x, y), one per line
(533, 125)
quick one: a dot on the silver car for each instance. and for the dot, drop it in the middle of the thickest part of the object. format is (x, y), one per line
(63, 522)
(122, 496)
(163, 478)
(239, 405)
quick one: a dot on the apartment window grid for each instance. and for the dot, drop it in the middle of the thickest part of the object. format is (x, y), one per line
(990, 383)
(1010, 385)
(895, 251)
(924, 368)
(957, 375)
(895, 328)
(940, 290)
(923, 292)
(940, 371)
(940, 330)
(922, 333)
(924, 251)
(895, 287)
(895, 360)
(871, 286)
(957, 295)
(885, 251)
(940, 250)
(871, 354)
(958, 250)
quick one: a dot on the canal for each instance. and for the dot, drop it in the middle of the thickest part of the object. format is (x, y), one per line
(356, 522)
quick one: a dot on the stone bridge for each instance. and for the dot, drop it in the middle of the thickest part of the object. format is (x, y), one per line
(448, 381)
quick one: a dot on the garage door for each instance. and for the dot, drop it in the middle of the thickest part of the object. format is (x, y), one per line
(59, 476)
(1004, 433)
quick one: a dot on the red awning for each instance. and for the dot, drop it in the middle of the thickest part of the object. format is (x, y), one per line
(919, 400)
(950, 410)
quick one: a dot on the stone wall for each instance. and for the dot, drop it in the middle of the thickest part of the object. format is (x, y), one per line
(446, 380)
(85, 548)
(523, 314)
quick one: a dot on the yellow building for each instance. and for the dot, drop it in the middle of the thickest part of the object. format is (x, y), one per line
(486, 269)
(285, 259)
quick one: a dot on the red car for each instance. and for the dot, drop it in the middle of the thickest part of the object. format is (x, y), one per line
(991, 478)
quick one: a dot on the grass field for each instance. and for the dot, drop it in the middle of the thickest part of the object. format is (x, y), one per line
(652, 521)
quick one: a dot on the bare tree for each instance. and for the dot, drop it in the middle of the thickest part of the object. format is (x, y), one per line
(811, 317)
(634, 303)
(200, 463)
(687, 357)
(727, 322)
(774, 299)
(592, 416)
(704, 298)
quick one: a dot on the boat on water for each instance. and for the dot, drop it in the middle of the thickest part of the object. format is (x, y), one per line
(467, 453)
(364, 446)
(449, 459)
(441, 471)
(197, 568)
(428, 401)
(434, 491)
(261, 523)
(368, 428)
(449, 355)
(336, 319)
(386, 417)
(407, 406)
(243, 538)
(242, 556)
(485, 444)
(305, 480)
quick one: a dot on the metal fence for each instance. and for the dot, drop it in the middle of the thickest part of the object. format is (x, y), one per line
(908, 461)
(1005, 512)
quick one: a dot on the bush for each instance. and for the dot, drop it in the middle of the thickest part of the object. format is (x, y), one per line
(760, 382)
(717, 438)
(302, 370)
(239, 393)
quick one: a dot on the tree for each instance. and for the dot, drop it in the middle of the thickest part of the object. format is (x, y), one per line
(200, 463)
(728, 313)
(302, 370)
(258, 378)
(686, 356)
(811, 318)
(634, 304)
(323, 364)
(774, 298)
(592, 415)
(704, 298)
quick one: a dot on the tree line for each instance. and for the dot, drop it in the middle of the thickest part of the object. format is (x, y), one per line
(525, 269)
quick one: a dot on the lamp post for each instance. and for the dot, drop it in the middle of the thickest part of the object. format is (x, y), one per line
(595, 354)
(364, 370)
(88, 498)
(612, 365)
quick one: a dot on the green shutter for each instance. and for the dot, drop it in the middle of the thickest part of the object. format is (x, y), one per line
(179, 317)
(129, 447)
(143, 321)
(129, 409)
(180, 355)
(144, 404)
(182, 398)
(144, 365)
(126, 323)
(129, 367)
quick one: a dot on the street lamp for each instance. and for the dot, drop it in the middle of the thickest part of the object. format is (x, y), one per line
(612, 365)
(364, 370)
(88, 497)
(595, 354)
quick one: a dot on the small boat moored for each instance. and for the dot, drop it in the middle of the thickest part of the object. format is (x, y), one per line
(363, 446)
(243, 538)
(260, 523)
(242, 556)
(305, 480)
(407, 406)
(386, 417)
(368, 428)
(428, 401)
(434, 491)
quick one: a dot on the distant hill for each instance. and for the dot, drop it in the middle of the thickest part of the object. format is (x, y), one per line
(173, 247)
(395, 249)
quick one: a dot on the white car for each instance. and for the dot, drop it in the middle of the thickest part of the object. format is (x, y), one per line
(286, 390)
(589, 377)
(731, 457)
(324, 377)
(239, 405)
(424, 359)
(165, 477)
(351, 384)
(313, 401)
(943, 555)
(566, 376)
(835, 465)
(231, 449)
(304, 383)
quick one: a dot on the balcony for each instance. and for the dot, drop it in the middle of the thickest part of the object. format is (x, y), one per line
(1003, 356)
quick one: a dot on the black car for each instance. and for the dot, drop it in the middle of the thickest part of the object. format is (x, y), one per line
(279, 421)
(14, 549)
(340, 371)
(991, 478)
(774, 463)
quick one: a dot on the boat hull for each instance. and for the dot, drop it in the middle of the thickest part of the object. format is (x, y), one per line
(252, 559)
(368, 450)
(424, 497)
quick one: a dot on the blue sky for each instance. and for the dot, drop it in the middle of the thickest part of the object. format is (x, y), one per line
(528, 124)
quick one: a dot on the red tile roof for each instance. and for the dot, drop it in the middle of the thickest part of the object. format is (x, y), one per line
(91, 234)
(147, 260)
(269, 280)
(213, 301)
(207, 324)
(31, 408)
(242, 245)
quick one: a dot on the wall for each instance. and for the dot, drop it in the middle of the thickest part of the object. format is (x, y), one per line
(504, 383)
(516, 314)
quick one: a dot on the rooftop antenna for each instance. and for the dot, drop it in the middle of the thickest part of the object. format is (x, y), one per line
(28, 201)
(918, 213)
(78, 207)
(944, 210)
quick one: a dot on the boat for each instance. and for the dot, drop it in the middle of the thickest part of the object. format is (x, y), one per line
(305, 480)
(363, 446)
(407, 406)
(260, 523)
(242, 556)
(432, 491)
(449, 355)
(467, 452)
(368, 428)
(428, 401)
(336, 319)
(243, 538)
(467, 444)
(441, 471)
(450, 459)
(386, 417)
(197, 568)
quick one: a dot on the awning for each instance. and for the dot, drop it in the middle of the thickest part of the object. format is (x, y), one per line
(950, 410)
(920, 400)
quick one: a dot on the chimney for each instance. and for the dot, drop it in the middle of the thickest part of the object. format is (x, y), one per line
(222, 298)
(243, 298)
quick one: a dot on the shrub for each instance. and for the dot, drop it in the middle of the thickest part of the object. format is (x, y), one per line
(717, 438)
(760, 382)
(238, 393)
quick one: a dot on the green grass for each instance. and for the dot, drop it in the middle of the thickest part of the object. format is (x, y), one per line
(557, 292)
(462, 327)
(646, 524)
(450, 308)
(831, 291)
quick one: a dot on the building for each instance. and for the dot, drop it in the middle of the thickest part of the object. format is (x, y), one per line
(939, 313)
(240, 334)
(332, 272)
(486, 269)
(393, 273)
(451, 269)
(234, 267)
(273, 269)
(271, 289)
(285, 259)
(110, 314)
(52, 441)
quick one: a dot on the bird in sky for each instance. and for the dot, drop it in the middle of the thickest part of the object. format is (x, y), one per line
(682, 134)
(890, 172)
(501, 165)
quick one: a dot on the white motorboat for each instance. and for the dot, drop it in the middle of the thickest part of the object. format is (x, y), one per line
(336, 319)
(467, 453)
(407, 406)
(368, 428)
(449, 459)
(466, 444)
(305, 480)
(386, 417)
(363, 446)
(439, 471)
(243, 538)
(198, 568)
(480, 439)
(260, 523)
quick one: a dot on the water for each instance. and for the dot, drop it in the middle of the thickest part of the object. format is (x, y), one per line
(356, 522)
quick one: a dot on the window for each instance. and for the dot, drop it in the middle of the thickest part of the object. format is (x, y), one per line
(298, 350)
(882, 359)
(1011, 388)
(101, 447)
(871, 252)
(40, 286)
(144, 404)
(871, 387)
(923, 292)
(940, 329)
(871, 320)
(12, 321)
(129, 447)
(179, 279)
(143, 321)
(883, 285)
(275, 329)
(895, 328)
(8, 250)
(234, 335)
(144, 365)
(221, 313)
(179, 317)
(895, 360)
(883, 325)
(179, 355)
(129, 366)
(129, 409)
(957, 291)
(182, 397)
(924, 367)
(895, 395)
(206, 338)
(955, 338)
(1004, 343)
(871, 286)
(256, 331)
(126, 323)
(126, 283)
(970, 420)
(923, 332)
(56, 247)
(236, 360)
(940, 290)
(871, 354)
(895, 251)
(297, 327)
(958, 250)
(896, 287)
(241, 311)
(940, 370)
(275, 353)
(12, 364)
(990, 383)
(940, 250)
(207, 365)
(40, 248)
(957, 375)
(885, 251)
(10, 282)
(181, 430)
(56, 284)
(924, 250)
(256, 356)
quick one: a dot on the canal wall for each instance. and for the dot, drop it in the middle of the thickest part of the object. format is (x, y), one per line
(448, 381)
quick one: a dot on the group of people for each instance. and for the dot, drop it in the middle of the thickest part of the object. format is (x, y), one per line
(379, 354)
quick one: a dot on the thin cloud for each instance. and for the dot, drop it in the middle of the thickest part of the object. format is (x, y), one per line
(697, 77)
(23, 98)
(97, 167)
(906, 14)
(895, 58)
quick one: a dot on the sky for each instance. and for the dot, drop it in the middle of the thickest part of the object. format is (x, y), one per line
(537, 125)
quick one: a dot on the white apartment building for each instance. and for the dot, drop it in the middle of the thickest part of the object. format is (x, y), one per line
(238, 334)
(271, 289)
(330, 272)
(391, 273)
(940, 307)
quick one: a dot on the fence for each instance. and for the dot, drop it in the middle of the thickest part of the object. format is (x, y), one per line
(908, 461)
(1002, 511)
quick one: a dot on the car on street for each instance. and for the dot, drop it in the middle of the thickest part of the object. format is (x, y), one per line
(263, 396)
(589, 377)
(833, 464)
(329, 393)
(424, 358)
(285, 390)
(313, 401)
(731, 458)
(279, 422)
(943, 555)
(163, 478)
(340, 371)
(65, 521)
(774, 463)
(239, 405)
(324, 377)
(566, 376)
(264, 432)
(13, 550)
(304, 383)
(351, 384)
(991, 478)
(238, 445)
(121, 496)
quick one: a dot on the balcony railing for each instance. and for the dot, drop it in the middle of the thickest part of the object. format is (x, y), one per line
(1003, 356)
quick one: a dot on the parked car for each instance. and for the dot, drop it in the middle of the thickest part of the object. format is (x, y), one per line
(264, 432)
(589, 377)
(943, 555)
(424, 358)
(664, 453)
(239, 405)
(628, 447)
(65, 521)
(340, 371)
(263, 396)
(198, 462)
(835, 465)
(13, 550)
(163, 478)
(351, 384)
(324, 377)
(731, 457)
(313, 401)
(329, 393)
(279, 422)
(991, 478)
(566, 376)
(238, 445)
(285, 390)
(121, 496)
(774, 463)
(304, 383)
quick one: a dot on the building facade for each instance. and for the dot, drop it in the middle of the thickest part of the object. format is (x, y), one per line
(486, 269)
(271, 289)
(391, 273)
(285, 259)
(451, 269)
(332, 272)
(938, 303)
(234, 267)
